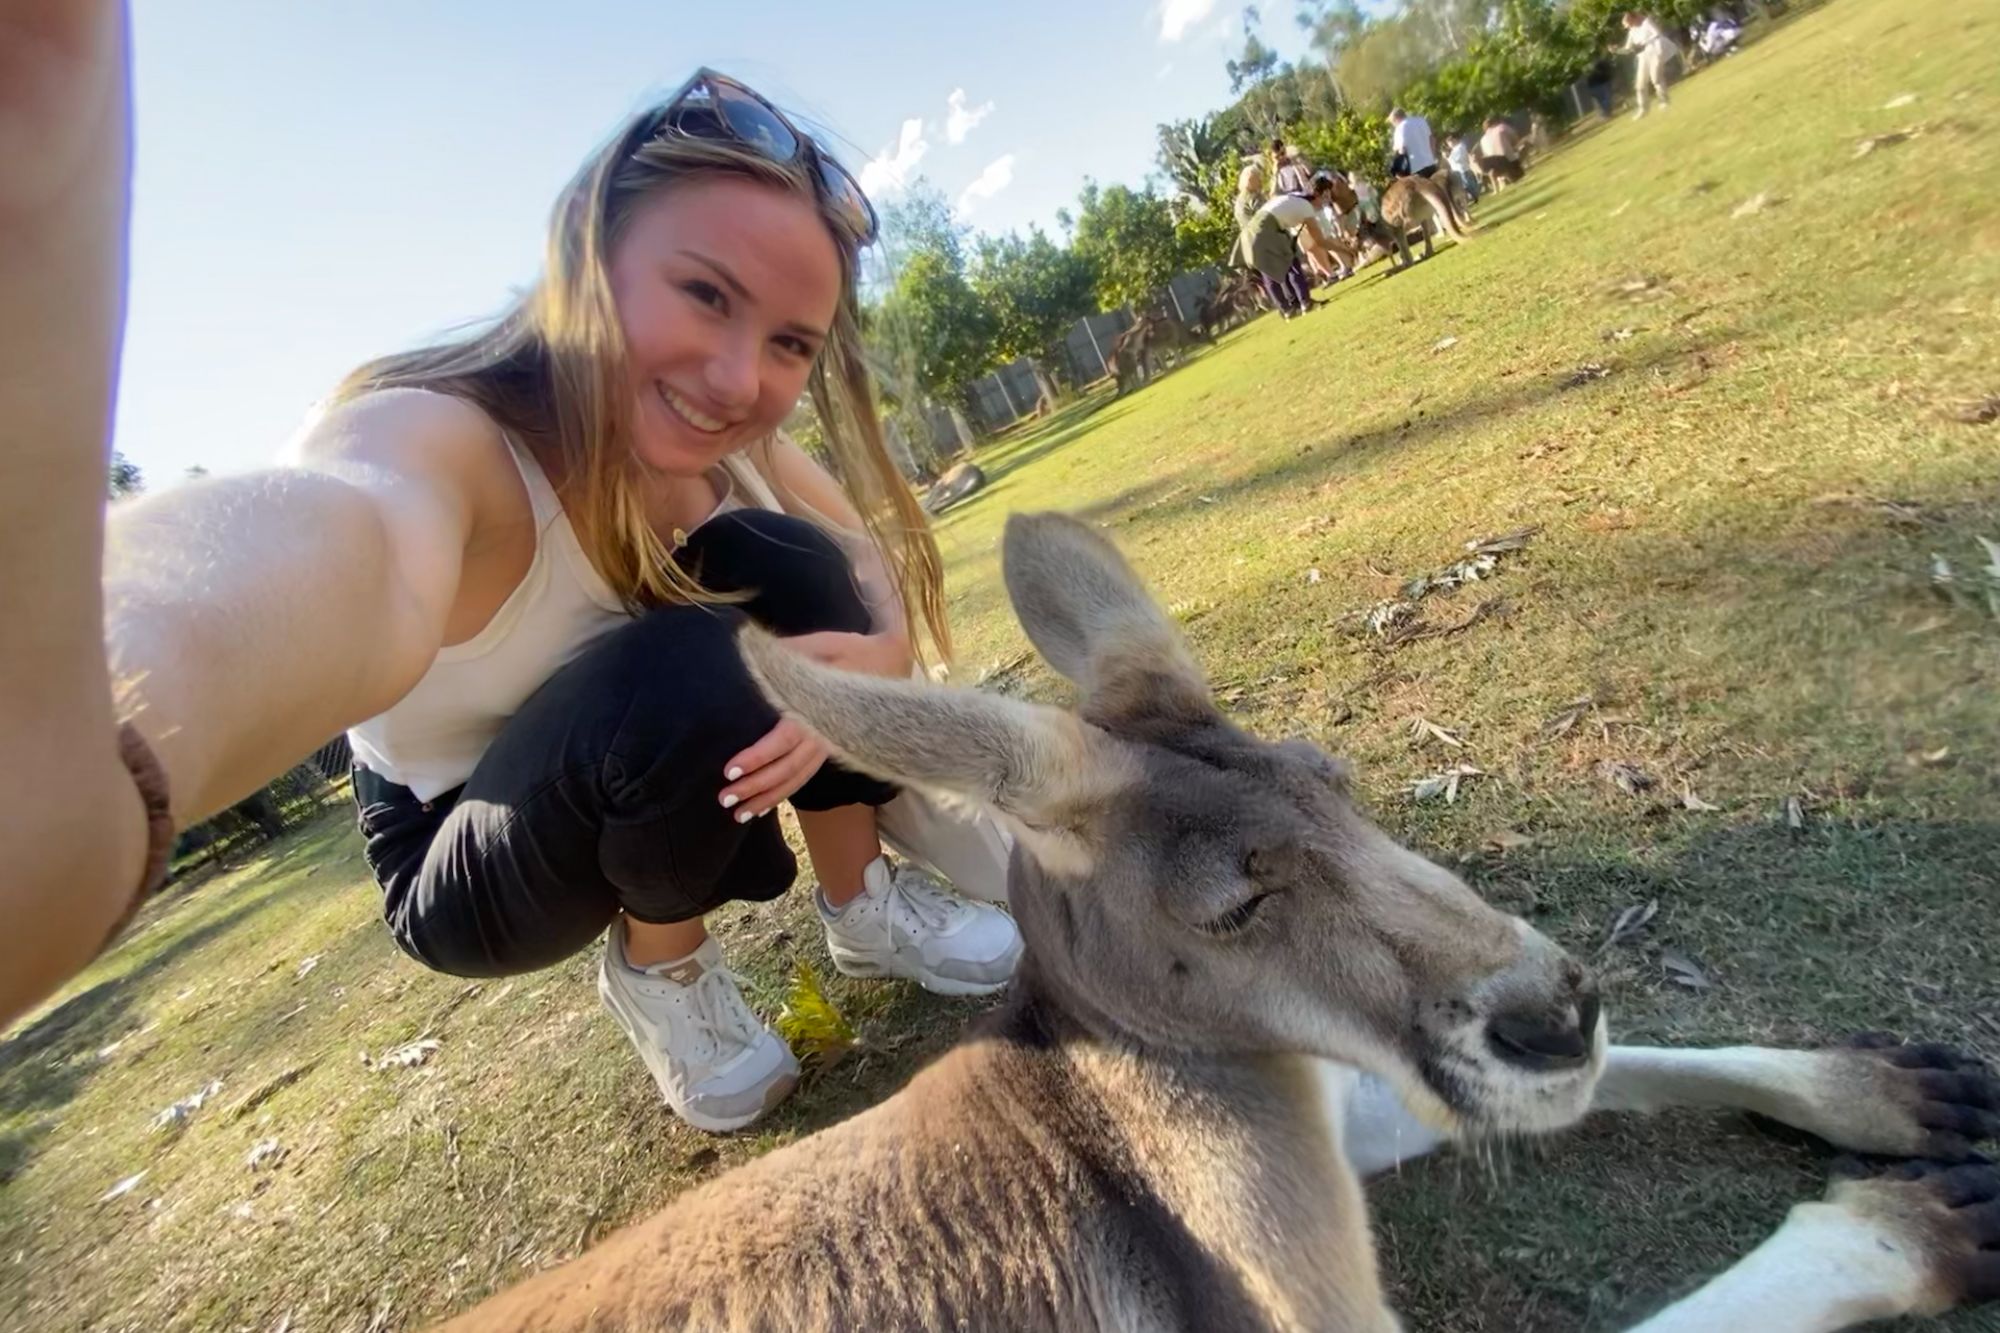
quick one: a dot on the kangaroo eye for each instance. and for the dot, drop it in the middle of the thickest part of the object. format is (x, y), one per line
(1237, 918)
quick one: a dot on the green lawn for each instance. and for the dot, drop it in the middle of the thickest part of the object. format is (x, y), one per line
(1730, 591)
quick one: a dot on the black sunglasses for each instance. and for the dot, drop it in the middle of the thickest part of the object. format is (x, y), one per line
(715, 106)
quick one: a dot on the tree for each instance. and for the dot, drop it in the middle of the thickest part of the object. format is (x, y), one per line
(1189, 153)
(1035, 289)
(1251, 72)
(125, 478)
(1127, 236)
(928, 335)
(195, 472)
(942, 327)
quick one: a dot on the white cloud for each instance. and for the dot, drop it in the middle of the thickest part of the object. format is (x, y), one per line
(890, 169)
(1177, 16)
(999, 174)
(963, 119)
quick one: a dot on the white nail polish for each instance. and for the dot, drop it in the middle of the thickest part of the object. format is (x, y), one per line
(732, 774)
(745, 816)
(728, 801)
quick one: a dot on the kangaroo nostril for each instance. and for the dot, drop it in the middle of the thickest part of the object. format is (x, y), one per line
(1530, 1041)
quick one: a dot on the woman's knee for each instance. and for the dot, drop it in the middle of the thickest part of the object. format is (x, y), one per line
(796, 577)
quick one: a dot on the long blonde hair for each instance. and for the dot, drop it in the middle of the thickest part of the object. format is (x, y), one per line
(552, 370)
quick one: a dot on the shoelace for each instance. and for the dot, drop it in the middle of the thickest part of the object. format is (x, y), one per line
(713, 1007)
(930, 905)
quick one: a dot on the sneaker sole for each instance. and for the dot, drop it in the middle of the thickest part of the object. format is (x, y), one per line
(773, 1095)
(868, 970)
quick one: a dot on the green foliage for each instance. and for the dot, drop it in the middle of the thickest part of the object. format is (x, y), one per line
(1128, 238)
(939, 323)
(1356, 142)
(1206, 225)
(811, 1025)
(124, 477)
(1034, 288)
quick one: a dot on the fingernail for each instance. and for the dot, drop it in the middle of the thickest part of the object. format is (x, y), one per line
(745, 816)
(728, 801)
(732, 773)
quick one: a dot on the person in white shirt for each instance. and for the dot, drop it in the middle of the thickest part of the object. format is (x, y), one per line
(1410, 139)
(1656, 51)
(1458, 156)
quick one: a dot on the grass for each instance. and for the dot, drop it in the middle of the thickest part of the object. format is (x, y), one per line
(1736, 526)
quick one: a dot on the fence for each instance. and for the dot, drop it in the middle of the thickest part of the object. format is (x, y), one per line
(294, 798)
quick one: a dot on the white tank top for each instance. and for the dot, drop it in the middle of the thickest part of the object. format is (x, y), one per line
(430, 740)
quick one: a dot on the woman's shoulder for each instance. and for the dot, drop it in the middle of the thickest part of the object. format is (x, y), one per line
(432, 440)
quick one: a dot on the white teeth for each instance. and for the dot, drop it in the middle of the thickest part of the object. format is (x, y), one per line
(687, 413)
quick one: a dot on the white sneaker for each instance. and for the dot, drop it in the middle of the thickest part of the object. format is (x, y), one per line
(906, 924)
(717, 1065)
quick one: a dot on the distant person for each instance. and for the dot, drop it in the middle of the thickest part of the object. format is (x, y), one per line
(1598, 82)
(1294, 172)
(1500, 153)
(1280, 227)
(1458, 157)
(1410, 140)
(1721, 35)
(1657, 52)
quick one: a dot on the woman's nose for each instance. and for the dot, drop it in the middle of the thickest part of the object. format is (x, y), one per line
(732, 374)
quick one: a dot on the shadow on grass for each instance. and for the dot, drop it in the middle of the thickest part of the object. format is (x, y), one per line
(1350, 453)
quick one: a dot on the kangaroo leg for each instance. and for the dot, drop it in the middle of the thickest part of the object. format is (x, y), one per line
(1876, 1094)
(1919, 1240)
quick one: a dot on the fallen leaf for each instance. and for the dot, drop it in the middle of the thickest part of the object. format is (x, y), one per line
(1584, 374)
(702, 1158)
(1444, 784)
(1929, 758)
(407, 1057)
(1992, 570)
(1757, 203)
(1620, 210)
(1682, 971)
(1629, 923)
(1620, 335)
(1638, 282)
(1312, 576)
(176, 1115)
(1942, 577)
(306, 966)
(1628, 778)
(1506, 541)
(267, 1153)
(1875, 141)
(1691, 801)
(1795, 813)
(1423, 726)
(1317, 523)
(1977, 411)
(1207, 499)
(1572, 713)
(1899, 100)
(1507, 840)
(1445, 343)
(122, 1188)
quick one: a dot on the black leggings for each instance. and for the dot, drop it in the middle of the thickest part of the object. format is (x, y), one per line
(600, 794)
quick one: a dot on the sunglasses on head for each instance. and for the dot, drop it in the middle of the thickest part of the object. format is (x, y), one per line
(715, 106)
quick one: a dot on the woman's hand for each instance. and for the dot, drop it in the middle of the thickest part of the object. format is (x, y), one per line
(772, 769)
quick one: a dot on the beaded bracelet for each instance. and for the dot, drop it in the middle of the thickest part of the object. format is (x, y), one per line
(151, 780)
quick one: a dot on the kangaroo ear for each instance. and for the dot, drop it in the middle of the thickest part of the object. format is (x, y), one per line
(1046, 772)
(1091, 618)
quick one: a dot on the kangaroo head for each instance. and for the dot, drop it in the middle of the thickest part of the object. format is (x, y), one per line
(1183, 885)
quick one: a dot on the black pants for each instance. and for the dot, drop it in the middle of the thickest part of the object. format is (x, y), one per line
(600, 794)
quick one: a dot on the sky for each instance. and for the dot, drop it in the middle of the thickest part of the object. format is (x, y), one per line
(318, 184)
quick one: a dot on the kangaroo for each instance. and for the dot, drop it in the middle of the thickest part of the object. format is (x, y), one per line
(1239, 998)
(1404, 205)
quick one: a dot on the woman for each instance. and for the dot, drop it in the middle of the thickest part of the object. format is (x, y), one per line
(1657, 52)
(513, 566)
(1266, 248)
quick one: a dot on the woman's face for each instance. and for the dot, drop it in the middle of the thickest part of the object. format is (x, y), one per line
(726, 289)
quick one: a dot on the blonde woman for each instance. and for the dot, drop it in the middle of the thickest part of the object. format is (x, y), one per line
(512, 566)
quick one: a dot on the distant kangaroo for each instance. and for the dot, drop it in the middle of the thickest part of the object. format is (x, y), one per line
(1406, 201)
(1240, 997)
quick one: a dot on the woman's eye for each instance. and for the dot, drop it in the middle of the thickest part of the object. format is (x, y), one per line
(1236, 918)
(797, 347)
(706, 293)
